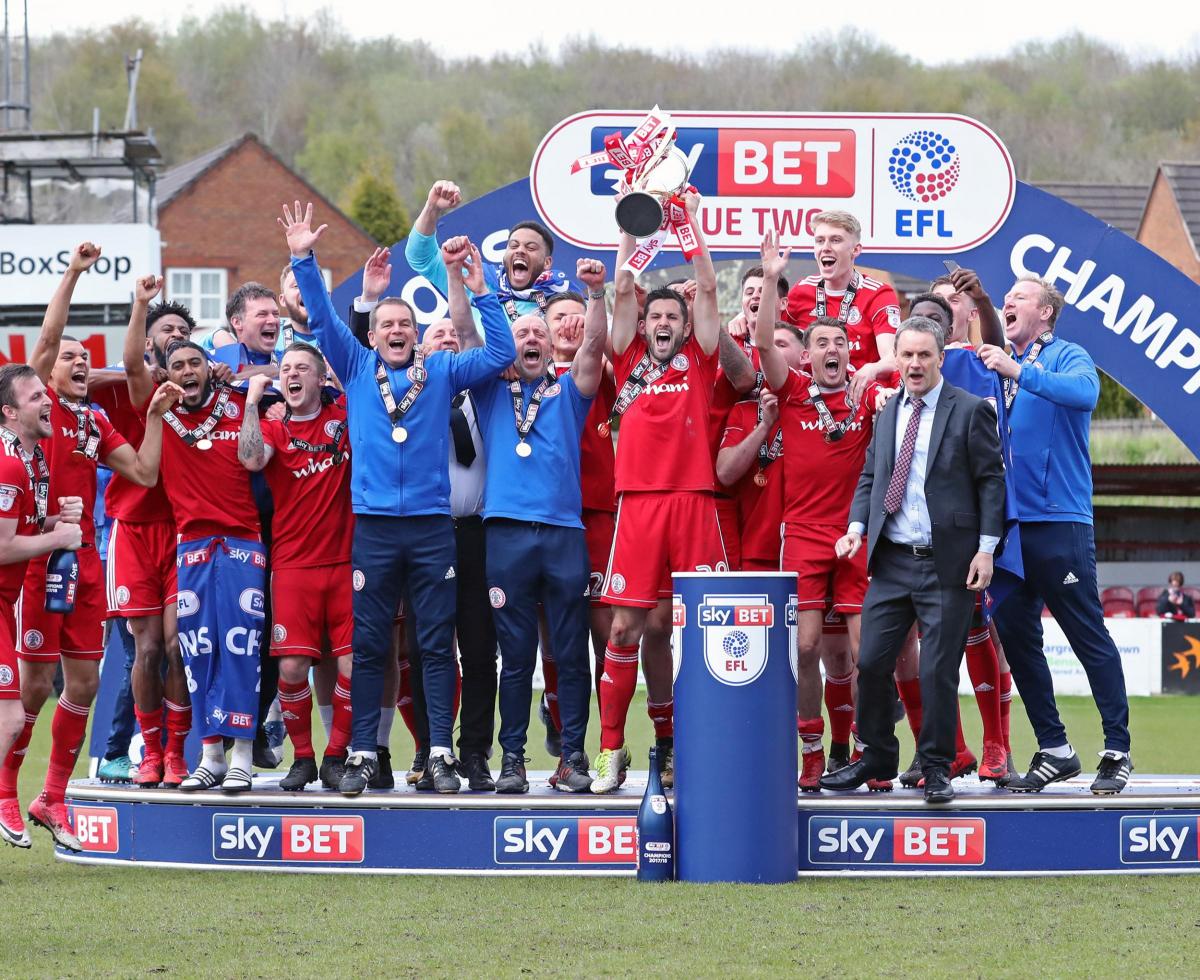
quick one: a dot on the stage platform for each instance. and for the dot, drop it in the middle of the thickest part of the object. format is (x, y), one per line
(1153, 827)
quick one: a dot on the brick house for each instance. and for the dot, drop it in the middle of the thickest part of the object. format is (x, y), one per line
(216, 215)
(1170, 224)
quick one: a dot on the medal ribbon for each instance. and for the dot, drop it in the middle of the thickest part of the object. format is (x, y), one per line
(677, 220)
(833, 430)
(37, 471)
(768, 455)
(333, 447)
(419, 376)
(192, 436)
(510, 305)
(1013, 385)
(847, 297)
(525, 419)
(87, 432)
(640, 378)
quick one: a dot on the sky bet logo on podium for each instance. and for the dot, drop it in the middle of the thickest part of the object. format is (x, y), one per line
(1160, 840)
(588, 841)
(271, 839)
(96, 827)
(897, 840)
(735, 636)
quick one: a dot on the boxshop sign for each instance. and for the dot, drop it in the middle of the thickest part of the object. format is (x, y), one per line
(33, 259)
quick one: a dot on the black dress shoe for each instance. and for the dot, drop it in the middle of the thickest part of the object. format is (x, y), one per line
(937, 786)
(855, 774)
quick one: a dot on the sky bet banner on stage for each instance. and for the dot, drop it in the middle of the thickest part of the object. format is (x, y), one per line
(1134, 313)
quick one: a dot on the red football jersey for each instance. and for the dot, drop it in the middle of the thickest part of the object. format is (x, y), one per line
(313, 523)
(875, 311)
(723, 400)
(125, 500)
(597, 458)
(819, 476)
(17, 503)
(664, 438)
(71, 473)
(760, 509)
(209, 489)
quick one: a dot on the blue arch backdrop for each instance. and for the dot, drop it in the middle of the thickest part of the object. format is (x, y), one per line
(1130, 309)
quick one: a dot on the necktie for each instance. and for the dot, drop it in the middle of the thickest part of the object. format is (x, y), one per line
(895, 490)
(460, 431)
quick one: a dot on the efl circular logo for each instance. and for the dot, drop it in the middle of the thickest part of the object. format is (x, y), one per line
(680, 362)
(331, 428)
(618, 584)
(278, 633)
(6, 675)
(924, 166)
(122, 595)
(496, 597)
(359, 580)
(33, 639)
(736, 644)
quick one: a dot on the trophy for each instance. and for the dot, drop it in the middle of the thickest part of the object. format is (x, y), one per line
(666, 174)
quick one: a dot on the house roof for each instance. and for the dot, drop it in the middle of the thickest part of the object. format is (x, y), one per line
(1184, 180)
(173, 182)
(1119, 205)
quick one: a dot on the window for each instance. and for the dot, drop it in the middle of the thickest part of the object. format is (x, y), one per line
(203, 291)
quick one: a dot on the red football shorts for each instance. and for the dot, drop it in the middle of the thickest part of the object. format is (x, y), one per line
(10, 674)
(308, 604)
(79, 635)
(141, 568)
(731, 532)
(808, 551)
(598, 533)
(657, 534)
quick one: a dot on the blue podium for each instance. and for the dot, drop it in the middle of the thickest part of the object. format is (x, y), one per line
(735, 727)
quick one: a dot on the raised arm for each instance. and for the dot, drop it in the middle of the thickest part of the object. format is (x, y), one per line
(1073, 383)
(344, 353)
(736, 366)
(588, 365)
(625, 312)
(774, 261)
(421, 250)
(141, 466)
(138, 378)
(253, 452)
(45, 350)
(991, 330)
(706, 321)
(459, 253)
(498, 350)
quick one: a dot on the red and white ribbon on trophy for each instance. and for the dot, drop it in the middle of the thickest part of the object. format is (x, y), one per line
(639, 155)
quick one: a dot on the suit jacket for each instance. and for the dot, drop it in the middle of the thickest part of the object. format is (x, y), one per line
(964, 480)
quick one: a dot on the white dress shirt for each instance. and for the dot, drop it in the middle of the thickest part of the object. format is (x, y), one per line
(911, 524)
(466, 482)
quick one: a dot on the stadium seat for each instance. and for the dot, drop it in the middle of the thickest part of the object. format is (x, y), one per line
(1147, 601)
(1118, 602)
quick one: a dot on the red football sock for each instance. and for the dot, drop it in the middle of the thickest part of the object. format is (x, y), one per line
(663, 717)
(66, 736)
(339, 735)
(983, 666)
(550, 678)
(404, 701)
(910, 695)
(620, 673)
(839, 703)
(16, 755)
(1006, 696)
(812, 733)
(179, 725)
(150, 722)
(295, 701)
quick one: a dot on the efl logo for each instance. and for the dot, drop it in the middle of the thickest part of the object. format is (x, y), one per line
(1160, 840)
(566, 841)
(897, 840)
(96, 827)
(735, 636)
(924, 166)
(237, 837)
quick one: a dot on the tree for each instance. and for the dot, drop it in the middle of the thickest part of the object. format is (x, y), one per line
(374, 203)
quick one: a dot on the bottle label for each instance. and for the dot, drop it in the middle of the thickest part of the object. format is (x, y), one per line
(658, 804)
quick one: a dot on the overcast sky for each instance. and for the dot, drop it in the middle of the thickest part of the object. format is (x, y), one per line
(934, 33)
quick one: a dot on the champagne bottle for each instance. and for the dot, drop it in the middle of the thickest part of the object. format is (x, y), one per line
(62, 578)
(656, 830)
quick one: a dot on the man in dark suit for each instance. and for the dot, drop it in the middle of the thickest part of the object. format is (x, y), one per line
(931, 501)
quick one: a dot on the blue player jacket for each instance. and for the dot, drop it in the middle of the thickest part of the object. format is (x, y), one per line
(411, 478)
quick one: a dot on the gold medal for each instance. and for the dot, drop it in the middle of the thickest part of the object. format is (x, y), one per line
(523, 449)
(399, 434)
(604, 429)
(760, 478)
(204, 444)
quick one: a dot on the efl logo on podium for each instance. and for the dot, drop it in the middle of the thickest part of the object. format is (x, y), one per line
(735, 636)
(1160, 840)
(897, 840)
(237, 837)
(565, 840)
(96, 827)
